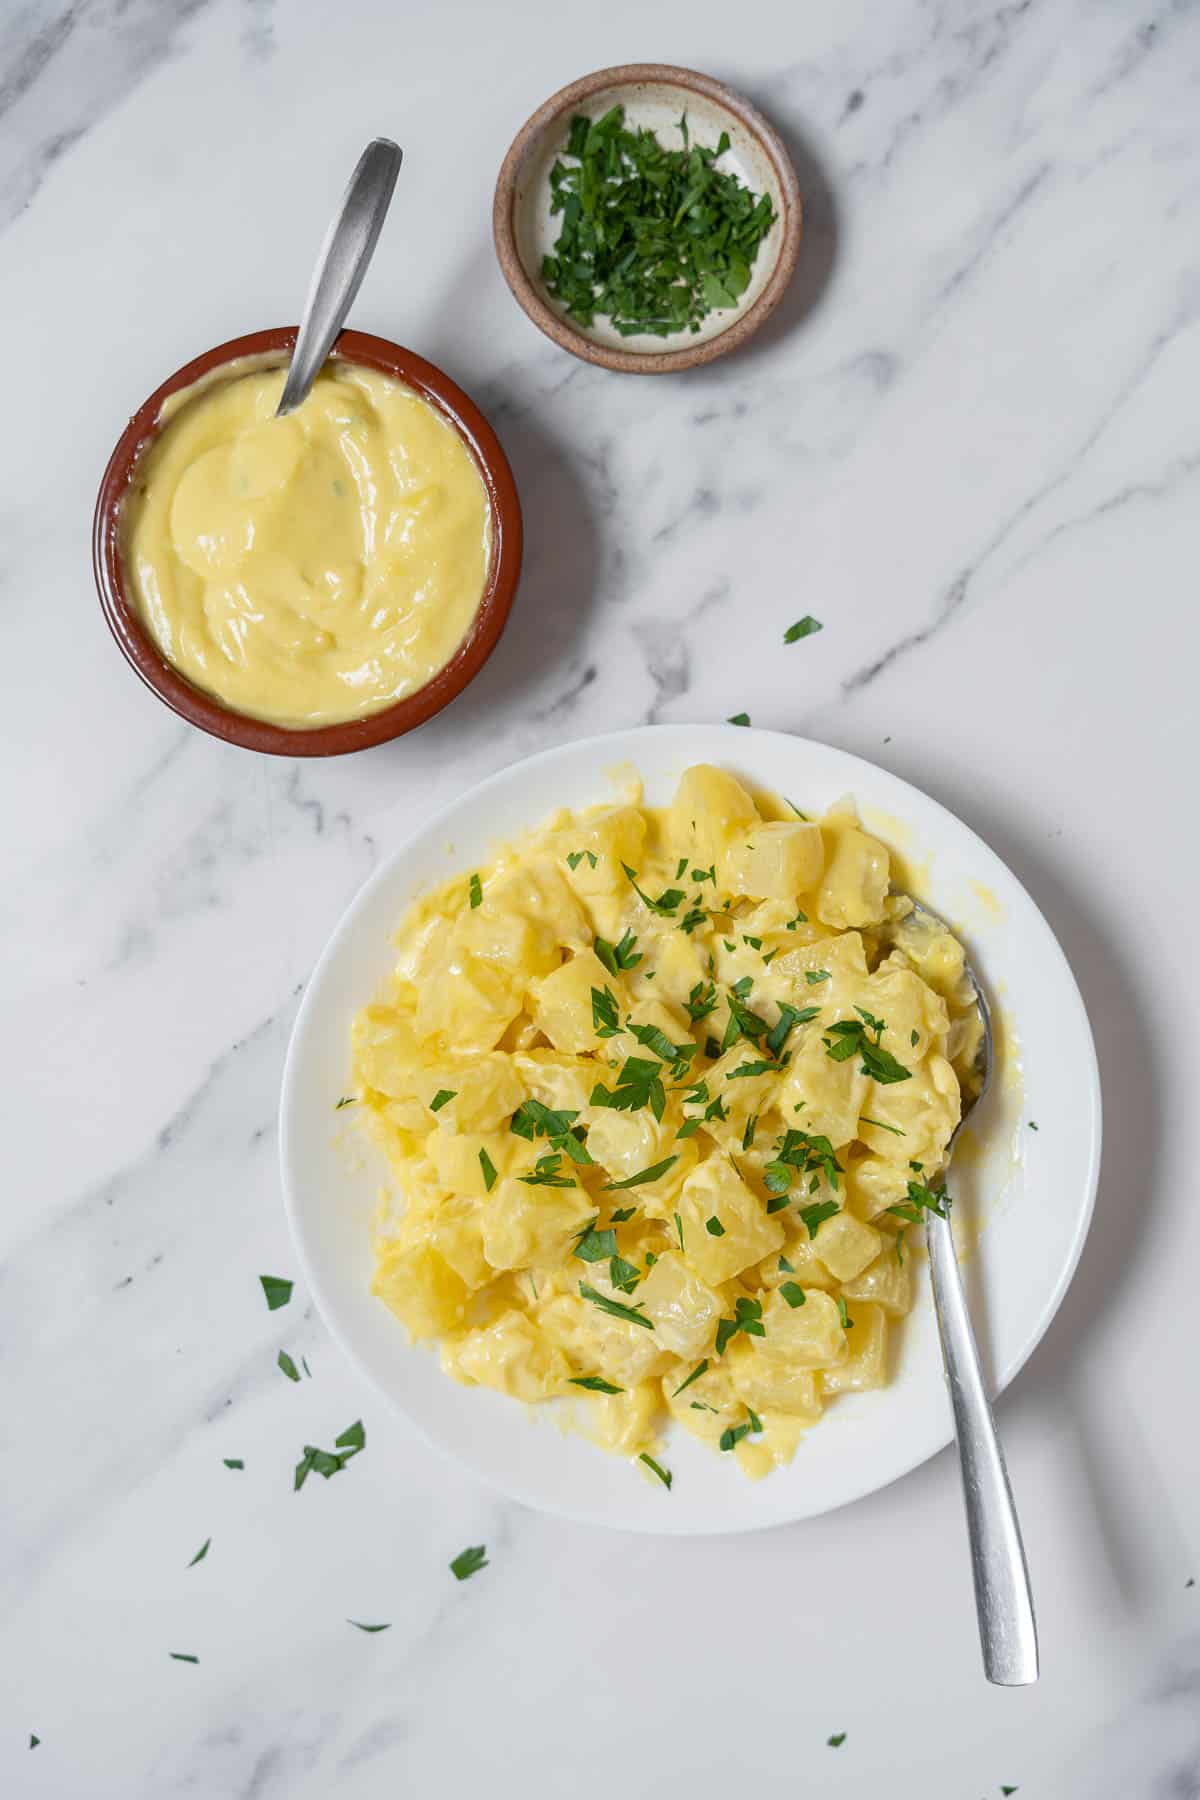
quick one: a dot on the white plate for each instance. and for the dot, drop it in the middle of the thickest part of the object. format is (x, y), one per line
(1033, 1192)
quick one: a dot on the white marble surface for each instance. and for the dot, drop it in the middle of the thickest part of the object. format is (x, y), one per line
(969, 445)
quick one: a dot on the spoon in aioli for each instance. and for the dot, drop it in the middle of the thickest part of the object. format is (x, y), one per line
(1003, 1600)
(348, 247)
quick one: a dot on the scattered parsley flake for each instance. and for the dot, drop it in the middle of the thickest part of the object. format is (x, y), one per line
(346, 1100)
(805, 627)
(880, 1126)
(813, 976)
(277, 1291)
(327, 1463)
(595, 1384)
(443, 1097)
(817, 1214)
(714, 1227)
(181, 1656)
(233, 1462)
(695, 1375)
(643, 1175)
(489, 1170)
(847, 1321)
(575, 857)
(632, 1315)
(739, 718)
(793, 1293)
(664, 1475)
(201, 1553)
(476, 892)
(1032, 1127)
(616, 957)
(837, 1740)
(289, 1368)
(359, 1626)
(469, 1562)
(679, 1229)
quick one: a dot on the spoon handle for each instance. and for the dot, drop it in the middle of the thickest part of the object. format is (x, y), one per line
(341, 265)
(1007, 1629)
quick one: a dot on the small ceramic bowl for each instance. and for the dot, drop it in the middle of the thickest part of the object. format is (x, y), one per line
(204, 709)
(654, 96)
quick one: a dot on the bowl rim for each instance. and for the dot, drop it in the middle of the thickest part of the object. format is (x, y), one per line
(525, 290)
(205, 710)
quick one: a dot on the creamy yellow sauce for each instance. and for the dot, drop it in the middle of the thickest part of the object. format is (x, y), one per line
(609, 1074)
(311, 569)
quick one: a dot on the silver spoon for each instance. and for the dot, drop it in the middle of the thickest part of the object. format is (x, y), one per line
(1003, 1601)
(348, 247)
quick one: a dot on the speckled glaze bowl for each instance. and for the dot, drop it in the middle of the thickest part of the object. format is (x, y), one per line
(654, 96)
(204, 709)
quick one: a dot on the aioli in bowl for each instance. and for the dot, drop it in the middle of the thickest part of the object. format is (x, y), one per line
(310, 569)
(205, 709)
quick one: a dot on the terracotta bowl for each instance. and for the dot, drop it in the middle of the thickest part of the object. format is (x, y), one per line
(203, 709)
(654, 95)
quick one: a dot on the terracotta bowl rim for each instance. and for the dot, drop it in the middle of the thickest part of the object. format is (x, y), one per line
(205, 710)
(555, 324)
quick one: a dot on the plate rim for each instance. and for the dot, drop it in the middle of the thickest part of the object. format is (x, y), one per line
(514, 1488)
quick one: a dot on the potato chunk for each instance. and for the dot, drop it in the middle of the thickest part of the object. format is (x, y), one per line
(560, 1004)
(772, 860)
(708, 808)
(771, 1384)
(846, 1246)
(420, 1287)
(865, 1363)
(887, 1282)
(528, 1227)
(855, 883)
(715, 1191)
(684, 1308)
(509, 1355)
(802, 1337)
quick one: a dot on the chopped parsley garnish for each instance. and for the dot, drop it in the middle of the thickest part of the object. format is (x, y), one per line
(289, 1368)
(761, 1067)
(650, 1174)
(632, 1315)
(616, 957)
(34, 1740)
(793, 1293)
(469, 1562)
(664, 1475)
(547, 1172)
(804, 1153)
(900, 1246)
(683, 863)
(701, 1001)
(812, 976)
(748, 1134)
(679, 1229)
(1008, 1790)
(739, 719)
(476, 891)
(755, 943)
(606, 1021)
(595, 1384)
(346, 1100)
(575, 857)
(848, 1037)
(178, 1656)
(695, 1375)
(688, 1129)
(837, 1740)
(533, 1119)
(712, 1049)
(714, 1227)
(652, 1038)
(786, 1267)
(233, 1462)
(914, 1037)
(694, 916)
(623, 1275)
(847, 1321)
(748, 1318)
(920, 1201)
(733, 1434)
(595, 1246)
(801, 918)
(789, 1017)
(201, 1553)
(622, 1213)
(817, 1214)
(667, 901)
(489, 1170)
(709, 874)
(443, 1097)
(277, 1291)
(803, 628)
(881, 1126)
(639, 1084)
(329, 1462)
(743, 1023)
(653, 238)
(1032, 1127)
(359, 1626)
